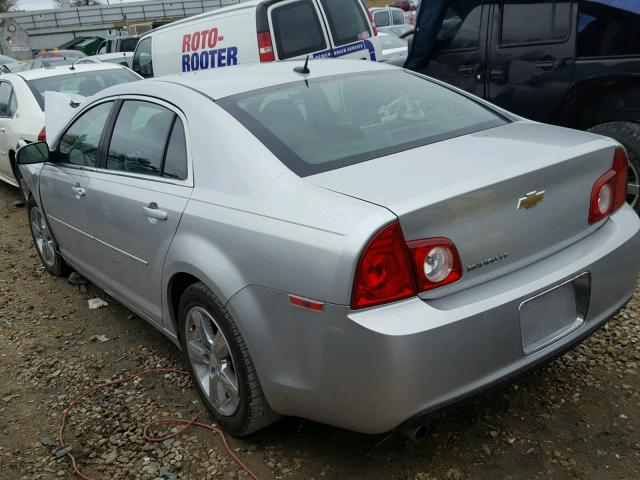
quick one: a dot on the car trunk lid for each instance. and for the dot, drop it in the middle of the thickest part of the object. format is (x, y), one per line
(469, 188)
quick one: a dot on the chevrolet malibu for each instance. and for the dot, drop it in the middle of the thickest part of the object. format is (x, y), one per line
(350, 242)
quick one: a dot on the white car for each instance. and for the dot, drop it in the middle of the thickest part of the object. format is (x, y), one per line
(394, 49)
(22, 102)
(121, 58)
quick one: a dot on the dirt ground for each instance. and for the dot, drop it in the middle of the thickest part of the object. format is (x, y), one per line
(578, 418)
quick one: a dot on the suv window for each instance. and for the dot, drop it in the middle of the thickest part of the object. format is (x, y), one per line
(346, 20)
(79, 144)
(297, 29)
(7, 100)
(460, 28)
(142, 59)
(381, 18)
(532, 21)
(608, 29)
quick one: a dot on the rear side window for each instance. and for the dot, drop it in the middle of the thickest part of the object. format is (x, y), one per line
(460, 28)
(297, 29)
(79, 144)
(142, 59)
(148, 139)
(332, 122)
(607, 29)
(533, 21)
(381, 18)
(128, 44)
(347, 20)
(398, 17)
(6, 94)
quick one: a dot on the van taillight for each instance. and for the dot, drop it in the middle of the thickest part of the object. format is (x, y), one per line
(610, 190)
(373, 23)
(265, 47)
(42, 136)
(391, 269)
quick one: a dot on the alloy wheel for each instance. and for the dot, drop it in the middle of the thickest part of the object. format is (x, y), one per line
(43, 239)
(212, 362)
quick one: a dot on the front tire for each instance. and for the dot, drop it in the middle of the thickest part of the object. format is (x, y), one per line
(44, 242)
(628, 134)
(220, 364)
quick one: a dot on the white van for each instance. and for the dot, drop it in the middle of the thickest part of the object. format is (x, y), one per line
(259, 31)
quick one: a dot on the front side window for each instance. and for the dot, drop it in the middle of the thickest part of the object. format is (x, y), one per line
(533, 21)
(460, 28)
(332, 122)
(148, 139)
(142, 59)
(607, 28)
(347, 21)
(297, 29)
(79, 144)
(381, 18)
(83, 83)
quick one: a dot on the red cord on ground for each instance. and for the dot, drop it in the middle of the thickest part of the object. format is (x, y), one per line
(167, 421)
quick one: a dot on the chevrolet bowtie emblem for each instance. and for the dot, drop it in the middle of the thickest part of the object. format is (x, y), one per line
(531, 200)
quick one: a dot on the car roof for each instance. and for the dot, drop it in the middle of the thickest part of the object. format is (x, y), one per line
(225, 82)
(66, 69)
(217, 11)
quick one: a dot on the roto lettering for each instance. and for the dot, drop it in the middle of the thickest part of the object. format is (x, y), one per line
(199, 51)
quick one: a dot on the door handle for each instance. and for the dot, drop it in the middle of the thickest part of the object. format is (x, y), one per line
(546, 63)
(2, 130)
(78, 191)
(153, 213)
(469, 68)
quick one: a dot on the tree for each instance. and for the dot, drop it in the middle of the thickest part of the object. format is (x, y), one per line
(6, 5)
(76, 3)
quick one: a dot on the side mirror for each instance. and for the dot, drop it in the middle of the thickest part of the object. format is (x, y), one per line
(33, 153)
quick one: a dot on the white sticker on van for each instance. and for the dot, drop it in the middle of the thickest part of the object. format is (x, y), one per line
(347, 49)
(202, 50)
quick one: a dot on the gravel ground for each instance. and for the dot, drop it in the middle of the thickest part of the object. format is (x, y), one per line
(578, 418)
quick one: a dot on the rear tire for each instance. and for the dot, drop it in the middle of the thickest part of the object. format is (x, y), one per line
(220, 364)
(628, 134)
(44, 242)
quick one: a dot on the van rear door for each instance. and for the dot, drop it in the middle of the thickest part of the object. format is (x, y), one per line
(350, 31)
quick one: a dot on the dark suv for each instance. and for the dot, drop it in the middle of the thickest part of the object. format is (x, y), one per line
(575, 63)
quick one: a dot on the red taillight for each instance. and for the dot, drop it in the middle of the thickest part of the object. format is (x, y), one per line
(436, 262)
(373, 23)
(610, 190)
(42, 136)
(389, 266)
(384, 270)
(265, 47)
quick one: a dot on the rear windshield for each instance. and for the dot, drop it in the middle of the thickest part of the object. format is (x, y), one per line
(347, 21)
(333, 122)
(85, 83)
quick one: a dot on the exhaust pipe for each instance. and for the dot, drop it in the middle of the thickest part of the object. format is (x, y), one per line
(415, 432)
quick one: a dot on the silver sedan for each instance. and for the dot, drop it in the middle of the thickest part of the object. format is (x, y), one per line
(350, 243)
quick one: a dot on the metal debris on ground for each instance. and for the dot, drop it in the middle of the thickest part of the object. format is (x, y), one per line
(17, 204)
(99, 338)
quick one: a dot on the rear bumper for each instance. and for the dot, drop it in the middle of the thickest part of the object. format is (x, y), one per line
(372, 370)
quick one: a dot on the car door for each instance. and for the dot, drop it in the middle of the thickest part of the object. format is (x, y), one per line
(458, 56)
(532, 48)
(65, 184)
(382, 18)
(349, 30)
(137, 198)
(7, 111)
